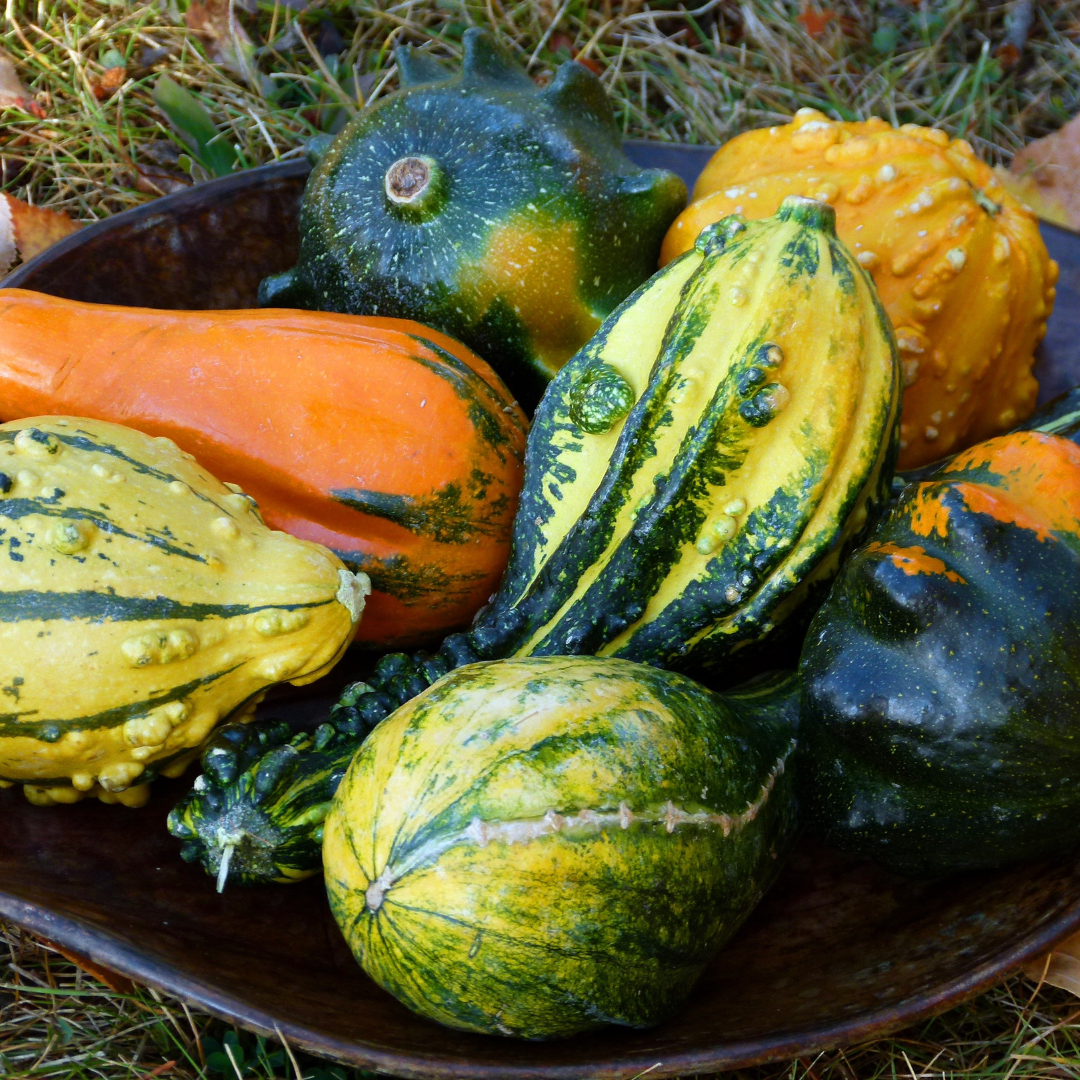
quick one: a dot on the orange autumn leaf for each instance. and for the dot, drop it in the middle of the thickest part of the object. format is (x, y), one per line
(1046, 176)
(816, 21)
(111, 81)
(26, 230)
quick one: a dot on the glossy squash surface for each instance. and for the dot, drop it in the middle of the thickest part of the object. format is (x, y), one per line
(941, 721)
(382, 440)
(141, 602)
(960, 266)
(506, 215)
(538, 847)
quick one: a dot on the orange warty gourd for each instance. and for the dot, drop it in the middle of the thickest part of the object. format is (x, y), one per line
(387, 442)
(959, 263)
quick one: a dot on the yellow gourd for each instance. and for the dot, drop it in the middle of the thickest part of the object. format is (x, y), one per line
(142, 602)
(959, 263)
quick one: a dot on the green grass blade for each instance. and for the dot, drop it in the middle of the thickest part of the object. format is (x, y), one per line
(191, 119)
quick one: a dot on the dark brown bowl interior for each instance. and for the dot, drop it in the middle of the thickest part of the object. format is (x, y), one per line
(839, 951)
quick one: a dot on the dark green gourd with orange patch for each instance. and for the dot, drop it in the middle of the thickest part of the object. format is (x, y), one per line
(477, 203)
(941, 719)
(693, 478)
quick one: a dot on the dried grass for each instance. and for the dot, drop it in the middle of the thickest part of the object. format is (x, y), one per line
(695, 76)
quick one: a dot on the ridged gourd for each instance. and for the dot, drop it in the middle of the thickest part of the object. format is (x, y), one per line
(506, 215)
(541, 846)
(141, 603)
(959, 263)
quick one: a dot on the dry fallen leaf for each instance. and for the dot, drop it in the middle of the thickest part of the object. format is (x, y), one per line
(1059, 967)
(227, 42)
(1046, 176)
(12, 92)
(119, 984)
(815, 21)
(111, 81)
(25, 230)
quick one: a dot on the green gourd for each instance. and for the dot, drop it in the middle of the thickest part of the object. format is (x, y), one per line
(941, 713)
(542, 846)
(693, 477)
(506, 215)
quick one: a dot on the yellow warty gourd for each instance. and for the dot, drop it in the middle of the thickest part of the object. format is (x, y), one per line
(142, 602)
(959, 263)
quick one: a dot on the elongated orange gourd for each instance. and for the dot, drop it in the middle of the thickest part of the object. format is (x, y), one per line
(958, 262)
(389, 443)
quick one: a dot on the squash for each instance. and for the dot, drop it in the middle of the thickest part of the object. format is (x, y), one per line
(269, 814)
(382, 440)
(693, 476)
(539, 847)
(959, 263)
(141, 602)
(941, 714)
(505, 215)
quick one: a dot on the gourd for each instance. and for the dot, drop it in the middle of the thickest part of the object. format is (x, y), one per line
(539, 847)
(141, 602)
(693, 478)
(295, 779)
(505, 215)
(382, 440)
(941, 708)
(958, 262)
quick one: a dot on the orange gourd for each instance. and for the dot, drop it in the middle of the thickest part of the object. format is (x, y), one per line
(389, 443)
(959, 263)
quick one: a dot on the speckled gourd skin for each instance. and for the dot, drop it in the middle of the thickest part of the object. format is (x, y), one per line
(540, 227)
(960, 266)
(539, 847)
(696, 514)
(941, 713)
(141, 602)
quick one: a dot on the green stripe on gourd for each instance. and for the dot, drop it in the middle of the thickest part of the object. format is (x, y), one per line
(32, 605)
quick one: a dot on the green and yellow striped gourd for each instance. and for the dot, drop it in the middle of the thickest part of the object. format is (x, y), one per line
(692, 476)
(141, 602)
(540, 846)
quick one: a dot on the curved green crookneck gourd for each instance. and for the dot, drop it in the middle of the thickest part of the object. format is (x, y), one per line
(693, 476)
(941, 714)
(541, 846)
(504, 215)
(141, 603)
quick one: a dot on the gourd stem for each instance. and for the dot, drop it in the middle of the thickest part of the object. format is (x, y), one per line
(415, 186)
(223, 870)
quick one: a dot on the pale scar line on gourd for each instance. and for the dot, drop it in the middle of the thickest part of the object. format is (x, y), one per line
(482, 833)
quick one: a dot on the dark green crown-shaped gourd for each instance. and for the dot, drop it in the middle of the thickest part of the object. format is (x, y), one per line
(477, 203)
